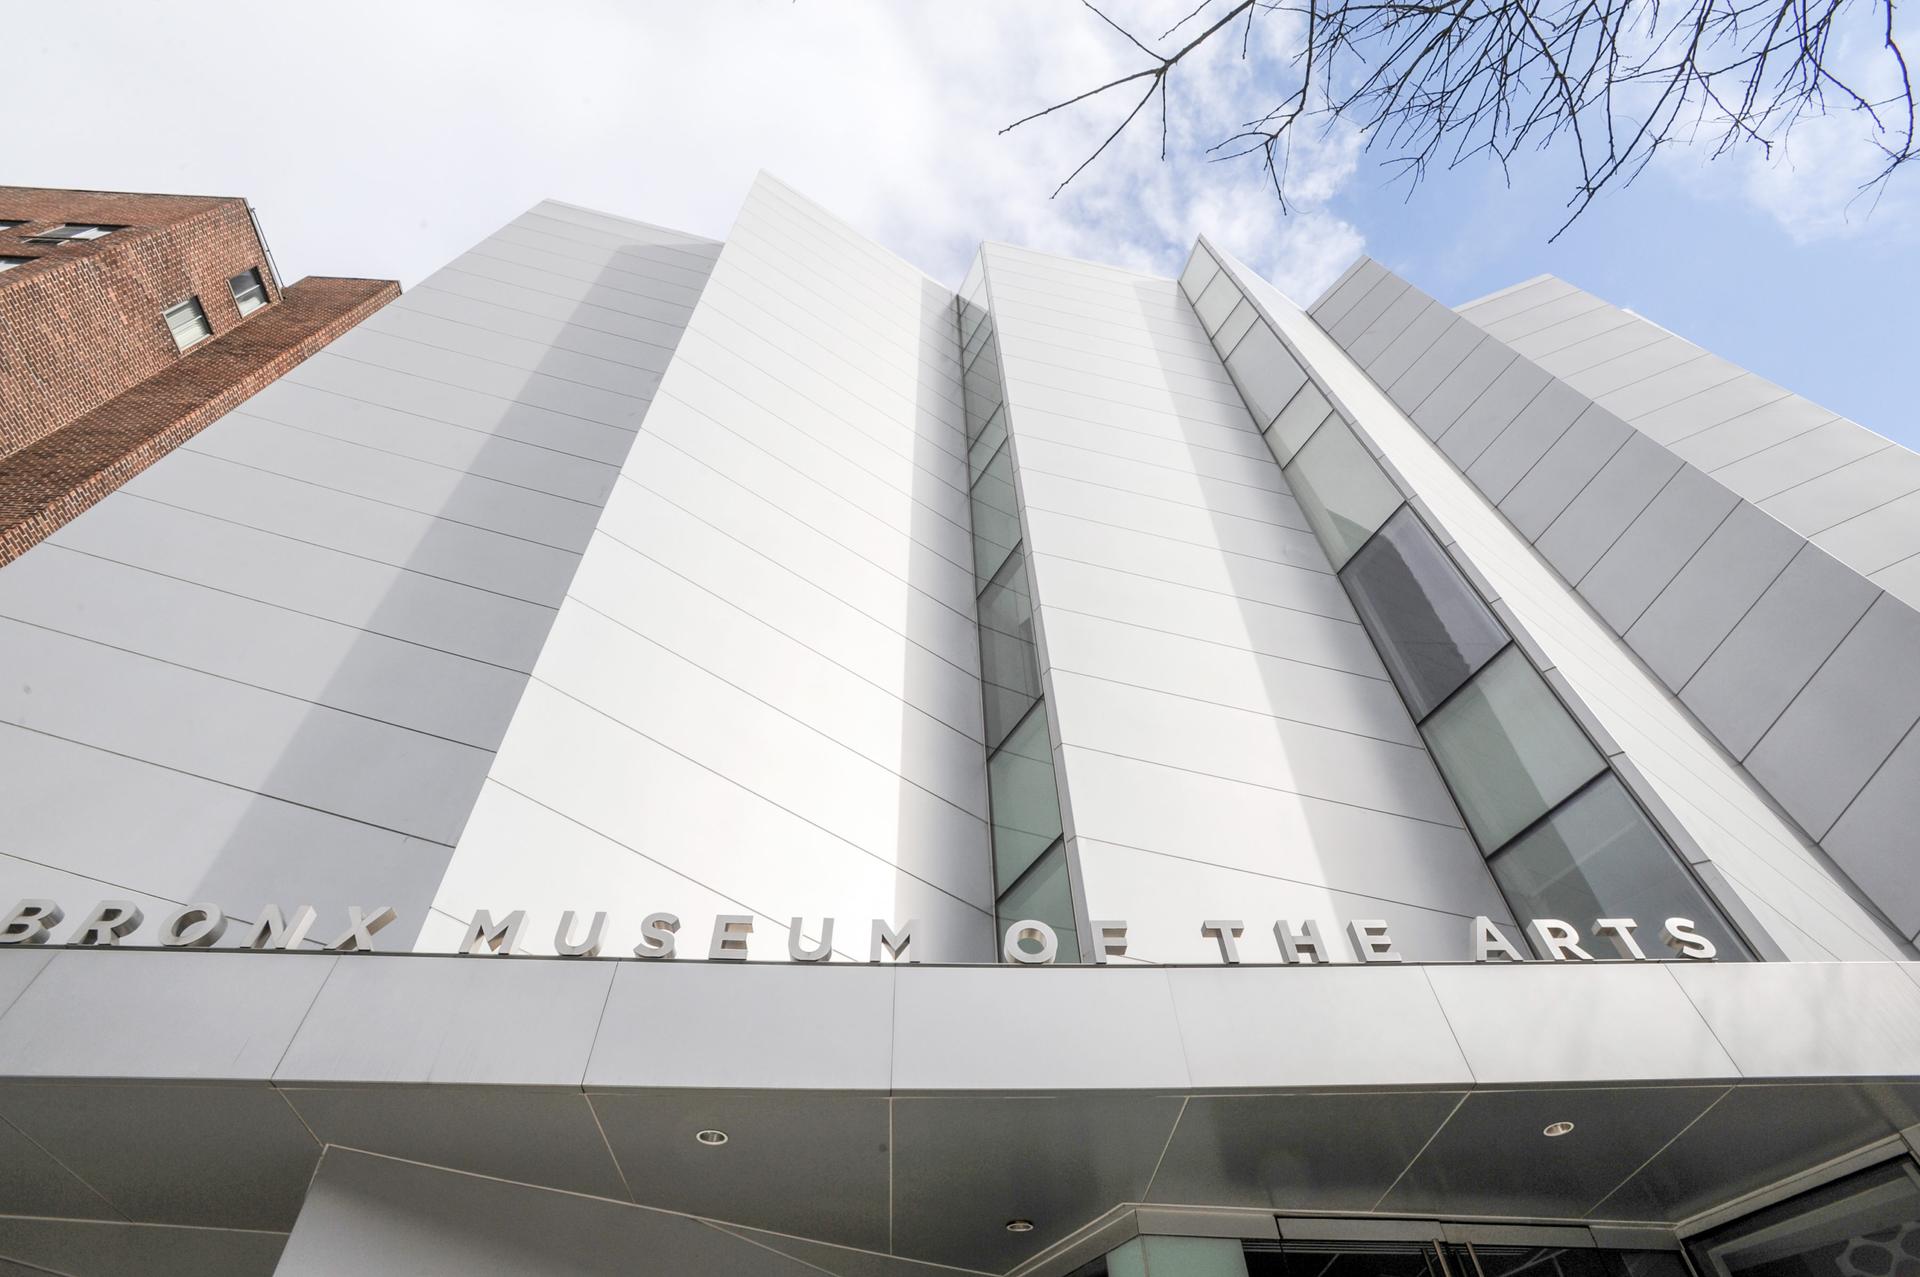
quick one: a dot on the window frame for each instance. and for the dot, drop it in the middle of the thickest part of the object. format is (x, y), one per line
(258, 283)
(199, 310)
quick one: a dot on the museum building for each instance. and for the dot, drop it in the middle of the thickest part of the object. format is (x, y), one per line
(652, 754)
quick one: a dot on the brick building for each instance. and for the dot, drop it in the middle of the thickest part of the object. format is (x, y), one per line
(127, 323)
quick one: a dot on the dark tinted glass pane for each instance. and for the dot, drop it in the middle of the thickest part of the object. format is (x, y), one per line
(1509, 749)
(1043, 894)
(1266, 373)
(981, 385)
(1026, 809)
(996, 526)
(1532, 1261)
(1341, 489)
(1009, 667)
(1867, 1225)
(986, 444)
(1599, 856)
(1343, 1259)
(1430, 626)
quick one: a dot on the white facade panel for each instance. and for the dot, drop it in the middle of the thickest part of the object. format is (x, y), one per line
(284, 654)
(1226, 737)
(761, 693)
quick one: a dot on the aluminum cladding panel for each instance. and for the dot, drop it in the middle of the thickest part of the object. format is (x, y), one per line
(761, 694)
(1227, 739)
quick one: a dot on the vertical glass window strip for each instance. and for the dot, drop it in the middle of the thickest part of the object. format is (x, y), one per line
(996, 520)
(1431, 628)
(188, 323)
(987, 443)
(1026, 807)
(1009, 664)
(1297, 422)
(249, 291)
(1266, 373)
(980, 386)
(1216, 302)
(1340, 489)
(1244, 317)
(1042, 893)
(1598, 856)
(1201, 268)
(1509, 749)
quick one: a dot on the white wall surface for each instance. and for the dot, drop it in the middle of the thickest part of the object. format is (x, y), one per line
(1472, 384)
(1228, 741)
(275, 666)
(761, 693)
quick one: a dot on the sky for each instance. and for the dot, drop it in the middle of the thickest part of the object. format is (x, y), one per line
(383, 138)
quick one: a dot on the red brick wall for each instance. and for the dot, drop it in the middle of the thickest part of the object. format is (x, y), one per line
(55, 478)
(85, 321)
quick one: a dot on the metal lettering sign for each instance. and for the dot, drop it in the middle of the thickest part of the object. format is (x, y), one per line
(1028, 942)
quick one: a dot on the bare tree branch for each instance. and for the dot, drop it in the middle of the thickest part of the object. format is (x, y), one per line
(1614, 81)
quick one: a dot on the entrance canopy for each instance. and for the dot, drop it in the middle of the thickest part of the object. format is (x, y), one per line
(879, 1119)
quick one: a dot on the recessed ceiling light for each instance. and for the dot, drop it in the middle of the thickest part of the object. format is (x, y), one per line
(713, 1139)
(1019, 1225)
(1558, 1129)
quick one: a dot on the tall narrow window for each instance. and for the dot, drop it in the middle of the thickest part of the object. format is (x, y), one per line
(188, 323)
(249, 291)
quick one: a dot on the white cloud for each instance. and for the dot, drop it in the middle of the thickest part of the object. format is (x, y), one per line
(381, 138)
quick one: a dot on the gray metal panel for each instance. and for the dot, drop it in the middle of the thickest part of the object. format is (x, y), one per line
(276, 745)
(1651, 552)
(834, 1028)
(1428, 328)
(439, 1019)
(19, 968)
(1664, 388)
(1519, 448)
(1568, 466)
(229, 1156)
(102, 1014)
(1607, 506)
(371, 1214)
(1518, 384)
(1750, 432)
(1458, 340)
(1371, 1027)
(1337, 1151)
(1805, 456)
(1075, 1157)
(1533, 1023)
(1347, 294)
(1492, 1157)
(1727, 1153)
(1701, 605)
(1367, 310)
(268, 647)
(1873, 841)
(534, 1135)
(1776, 647)
(815, 1165)
(1119, 1032)
(33, 1183)
(1874, 1009)
(1853, 489)
(1469, 380)
(111, 1249)
(1392, 322)
(1827, 744)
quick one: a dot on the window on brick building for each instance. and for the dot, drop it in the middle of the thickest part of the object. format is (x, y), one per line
(9, 224)
(8, 263)
(72, 231)
(249, 291)
(188, 323)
